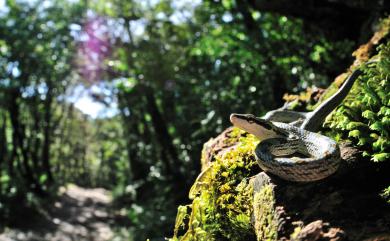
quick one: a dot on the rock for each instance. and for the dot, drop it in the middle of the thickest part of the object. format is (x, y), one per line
(232, 190)
(218, 146)
(319, 230)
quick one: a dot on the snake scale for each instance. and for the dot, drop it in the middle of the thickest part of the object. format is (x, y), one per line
(290, 147)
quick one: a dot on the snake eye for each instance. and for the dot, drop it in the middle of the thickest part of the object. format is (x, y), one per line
(251, 118)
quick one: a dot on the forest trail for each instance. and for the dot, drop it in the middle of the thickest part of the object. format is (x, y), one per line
(79, 214)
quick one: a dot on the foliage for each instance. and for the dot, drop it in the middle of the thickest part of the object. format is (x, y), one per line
(364, 116)
(180, 79)
(35, 69)
(179, 69)
(256, 65)
(386, 194)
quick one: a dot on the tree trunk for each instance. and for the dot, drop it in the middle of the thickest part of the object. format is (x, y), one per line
(47, 135)
(3, 148)
(138, 168)
(34, 138)
(3, 141)
(161, 129)
(18, 136)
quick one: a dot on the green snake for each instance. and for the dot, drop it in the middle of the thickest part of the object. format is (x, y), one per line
(290, 147)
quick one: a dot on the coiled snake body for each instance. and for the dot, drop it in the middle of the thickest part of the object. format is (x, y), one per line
(316, 156)
(292, 150)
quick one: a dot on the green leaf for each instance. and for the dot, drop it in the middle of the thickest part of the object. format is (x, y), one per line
(381, 143)
(354, 133)
(384, 111)
(386, 194)
(42, 178)
(363, 141)
(386, 121)
(377, 126)
(4, 178)
(370, 96)
(228, 4)
(369, 115)
(381, 157)
(355, 124)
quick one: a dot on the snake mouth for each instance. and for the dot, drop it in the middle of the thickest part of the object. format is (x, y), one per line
(262, 129)
(235, 118)
(241, 120)
(232, 118)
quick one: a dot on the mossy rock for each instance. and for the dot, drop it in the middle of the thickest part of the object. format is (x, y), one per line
(234, 200)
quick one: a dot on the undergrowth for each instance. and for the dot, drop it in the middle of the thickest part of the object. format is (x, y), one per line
(364, 116)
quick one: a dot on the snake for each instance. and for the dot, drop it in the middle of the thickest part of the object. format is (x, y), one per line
(290, 146)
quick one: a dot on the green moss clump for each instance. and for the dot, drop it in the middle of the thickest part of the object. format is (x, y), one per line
(266, 226)
(222, 196)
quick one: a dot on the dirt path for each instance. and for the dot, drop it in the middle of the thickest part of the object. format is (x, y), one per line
(78, 215)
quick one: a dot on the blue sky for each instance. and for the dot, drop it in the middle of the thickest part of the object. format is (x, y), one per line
(82, 100)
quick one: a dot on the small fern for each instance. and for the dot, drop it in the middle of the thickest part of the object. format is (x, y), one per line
(364, 117)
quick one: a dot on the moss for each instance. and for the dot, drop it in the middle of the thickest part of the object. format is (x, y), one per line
(230, 193)
(234, 136)
(222, 197)
(182, 214)
(266, 226)
(213, 146)
(295, 233)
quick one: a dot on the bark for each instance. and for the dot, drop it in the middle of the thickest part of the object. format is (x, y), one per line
(138, 167)
(64, 126)
(18, 138)
(162, 134)
(3, 141)
(34, 138)
(169, 154)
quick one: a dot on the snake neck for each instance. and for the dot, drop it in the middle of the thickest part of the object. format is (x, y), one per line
(315, 118)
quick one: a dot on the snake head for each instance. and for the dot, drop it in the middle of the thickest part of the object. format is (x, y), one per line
(261, 128)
